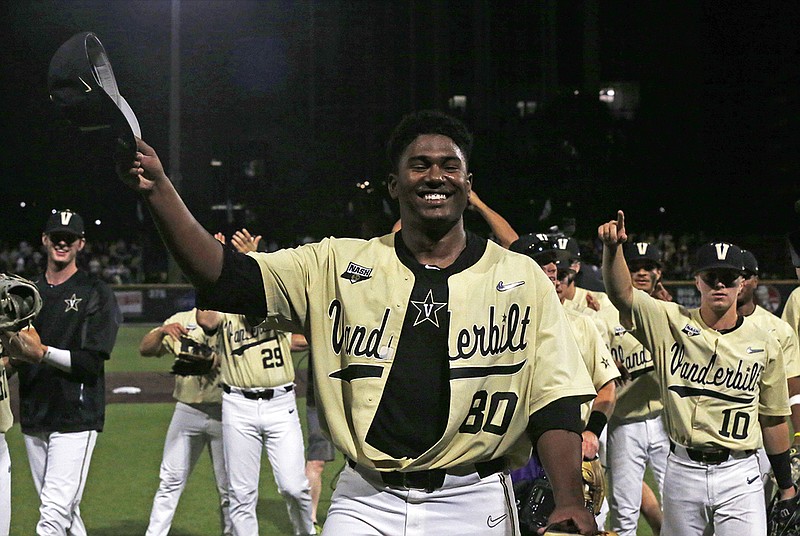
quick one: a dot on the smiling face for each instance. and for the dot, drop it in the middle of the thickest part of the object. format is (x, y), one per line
(431, 182)
(62, 248)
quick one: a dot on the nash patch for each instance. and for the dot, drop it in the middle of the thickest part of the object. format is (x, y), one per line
(356, 272)
(691, 331)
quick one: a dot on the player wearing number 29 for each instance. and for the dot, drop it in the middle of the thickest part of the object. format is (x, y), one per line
(720, 377)
(259, 411)
(437, 355)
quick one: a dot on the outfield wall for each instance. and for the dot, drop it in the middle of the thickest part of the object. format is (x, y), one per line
(154, 303)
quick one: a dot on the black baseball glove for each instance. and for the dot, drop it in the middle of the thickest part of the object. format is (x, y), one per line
(193, 358)
(535, 503)
(20, 302)
(783, 517)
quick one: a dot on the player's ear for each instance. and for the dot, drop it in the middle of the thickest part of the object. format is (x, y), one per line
(81, 243)
(44, 239)
(391, 185)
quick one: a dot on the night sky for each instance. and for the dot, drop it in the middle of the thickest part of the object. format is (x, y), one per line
(310, 91)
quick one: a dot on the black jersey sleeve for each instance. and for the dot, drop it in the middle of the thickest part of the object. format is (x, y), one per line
(561, 414)
(239, 289)
(103, 318)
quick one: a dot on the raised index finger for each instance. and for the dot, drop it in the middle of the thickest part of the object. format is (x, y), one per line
(620, 220)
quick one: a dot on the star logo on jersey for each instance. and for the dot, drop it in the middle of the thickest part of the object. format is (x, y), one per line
(691, 331)
(72, 303)
(427, 310)
(355, 273)
(605, 362)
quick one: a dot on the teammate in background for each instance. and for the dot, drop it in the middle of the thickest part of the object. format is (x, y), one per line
(593, 349)
(259, 412)
(787, 338)
(6, 421)
(319, 450)
(791, 315)
(636, 436)
(424, 407)
(196, 423)
(719, 376)
(61, 375)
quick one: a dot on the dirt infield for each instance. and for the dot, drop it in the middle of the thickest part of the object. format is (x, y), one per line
(155, 387)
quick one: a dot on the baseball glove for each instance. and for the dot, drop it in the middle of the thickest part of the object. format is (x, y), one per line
(535, 503)
(20, 302)
(192, 358)
(594, 484)
(783, 517)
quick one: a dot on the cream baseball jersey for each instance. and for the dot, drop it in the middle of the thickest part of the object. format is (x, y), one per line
(6, 417)
(786, 336)
(791, 311)
(193, 389)
(253, 357)
(639, 397)
(594, 352)
(713, 384)
(417, 367)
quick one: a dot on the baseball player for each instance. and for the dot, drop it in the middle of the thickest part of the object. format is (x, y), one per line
(791, 315)
(720, 377)
(6, 421)
(595, 353)
(438, 356)
(196, 423)
(781, 330)
(61, 375)
(636, 436)
(259, 411)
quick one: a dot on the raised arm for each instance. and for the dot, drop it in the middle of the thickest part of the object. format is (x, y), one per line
(150, 345)
(498, 224)
(616, 277)
(197, 253)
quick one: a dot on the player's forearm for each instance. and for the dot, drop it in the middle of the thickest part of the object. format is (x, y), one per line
(775, 433)
(196, 251)
(150, 346)
(208, 320)
(606, 399)
(617, 279)
(498, 224)
(560, 454)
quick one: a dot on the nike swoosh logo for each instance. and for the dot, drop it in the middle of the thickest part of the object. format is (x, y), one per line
(751, 480)
(492, 522)
(751, 350)
(88, 87)
(502, 287)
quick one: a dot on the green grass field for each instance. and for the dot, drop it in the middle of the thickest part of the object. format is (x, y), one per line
(124, 473)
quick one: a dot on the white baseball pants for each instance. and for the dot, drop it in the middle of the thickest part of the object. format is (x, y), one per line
(192, 429)
(5, 487)
(59, 465)
(362, 505)
(250, 426)
(631, 447)
(725, 499)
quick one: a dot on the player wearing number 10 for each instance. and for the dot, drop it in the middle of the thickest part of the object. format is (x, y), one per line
(259, 410)
(720, 377)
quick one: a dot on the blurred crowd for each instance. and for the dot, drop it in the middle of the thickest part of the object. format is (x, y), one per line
(123, 262)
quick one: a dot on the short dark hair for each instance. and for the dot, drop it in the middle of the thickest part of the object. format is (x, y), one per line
(427, 122)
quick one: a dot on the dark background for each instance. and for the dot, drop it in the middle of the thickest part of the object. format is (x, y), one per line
(304, 94)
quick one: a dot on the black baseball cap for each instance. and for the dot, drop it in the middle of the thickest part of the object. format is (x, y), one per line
(569, 245)
(540, 247)
(82, 85)
(65, 221)
(749, 262)
(642, 252)
(718, 256)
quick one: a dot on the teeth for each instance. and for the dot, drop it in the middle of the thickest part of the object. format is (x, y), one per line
(434, 197)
